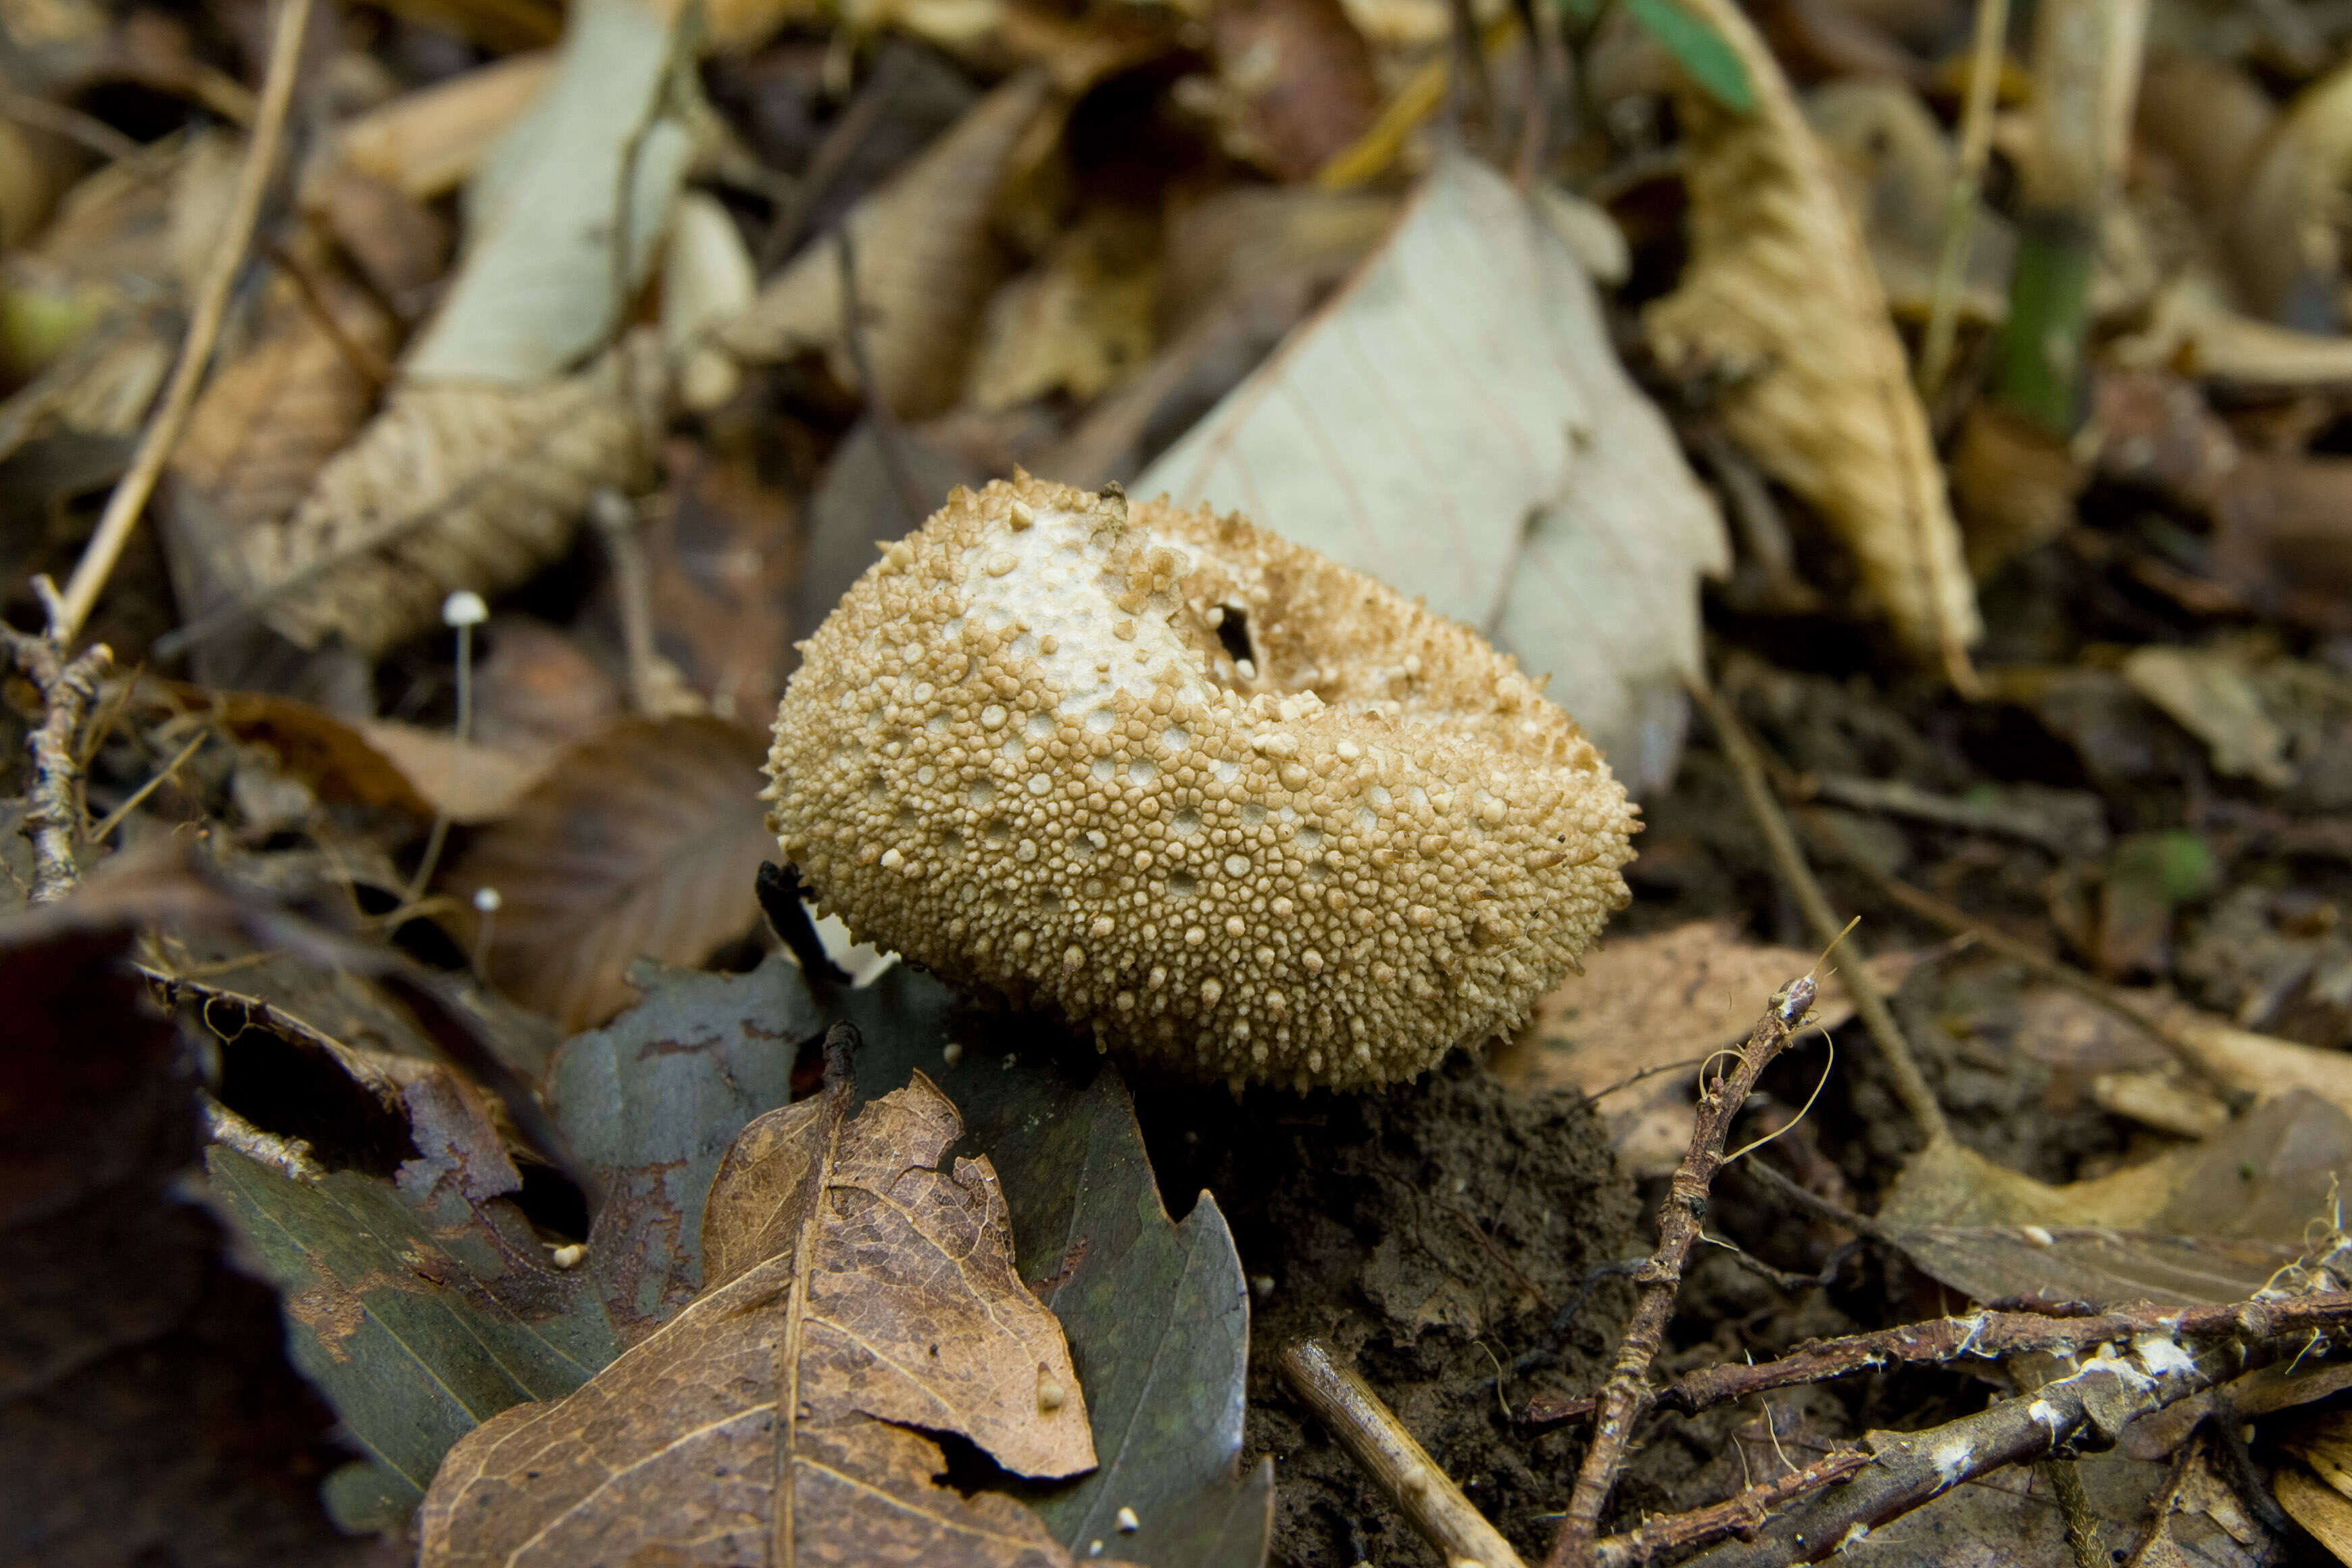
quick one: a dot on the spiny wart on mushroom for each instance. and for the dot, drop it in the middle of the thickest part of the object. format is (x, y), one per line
(1019, 753)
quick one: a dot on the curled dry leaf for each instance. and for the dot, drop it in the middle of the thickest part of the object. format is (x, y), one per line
(1780, 298)
(926, 264)
(1462, 385)
(1083, 319)
(456, 485)
(643, 843)
(860, 1295)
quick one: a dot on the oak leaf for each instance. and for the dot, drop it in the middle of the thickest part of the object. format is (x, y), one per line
(861, 1297)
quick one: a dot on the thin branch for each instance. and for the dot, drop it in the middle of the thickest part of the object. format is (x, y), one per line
(1742, 1516)
(1681, 1218)
(1989, 1336)
(2089, 1409)
(162, 432)
(53, 814)
(84, 130)
(1398, 1466)
(888, 433)
(1869, 1001)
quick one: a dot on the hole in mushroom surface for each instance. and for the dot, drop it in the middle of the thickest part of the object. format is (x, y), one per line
(1182, 884)
(1232, 633)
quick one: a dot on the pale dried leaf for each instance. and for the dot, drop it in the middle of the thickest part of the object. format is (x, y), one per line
(1781, 297)
(642, 843)
(2211, 1222)
(2208, 693)
(452, 486)
(1645, 1002)
(857, 1290)
(539, 286)
(2319, 1509)
(270, 419)
(707, 279)
(2284, 239)
(926, 264)
(428, 142)
(1456, 424)
(465, 781)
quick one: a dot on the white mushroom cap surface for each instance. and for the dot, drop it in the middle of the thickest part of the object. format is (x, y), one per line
(1019, 753)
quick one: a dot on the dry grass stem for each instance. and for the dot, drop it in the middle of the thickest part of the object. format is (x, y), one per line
(162, 432)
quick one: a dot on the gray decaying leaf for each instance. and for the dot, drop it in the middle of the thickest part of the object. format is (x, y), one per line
(862, 1289)
(1456, 424)
(420, 1307)
(643, 843)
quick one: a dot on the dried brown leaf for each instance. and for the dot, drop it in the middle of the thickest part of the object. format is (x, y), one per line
(1301, 77)
(268, 422)
(1647, 1001)
(642, 843)
(1780, 297)
(425, 143)
(1081, 321)
(724, 552)
(335, 757)
(465, 781)
(455, 485)
(926, 264)
(858, 1291)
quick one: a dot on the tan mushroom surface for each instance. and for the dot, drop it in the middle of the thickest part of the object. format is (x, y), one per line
(1231, 806)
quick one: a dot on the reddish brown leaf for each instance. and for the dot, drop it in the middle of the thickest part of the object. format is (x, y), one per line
(643, 843)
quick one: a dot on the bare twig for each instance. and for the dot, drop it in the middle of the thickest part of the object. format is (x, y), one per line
(616, 520)
(1986, 1336)
(1627, 1394)
(1869, 1001)
(371, 366)
(84, 130)
(842, 142)
(1742, 1515)
(53, 814)
(2088, 1409)
(1960, 213)
(889, 436)
(1399, 1467)
(162, 432)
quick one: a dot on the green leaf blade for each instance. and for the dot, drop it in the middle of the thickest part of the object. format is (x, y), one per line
(1700, 50)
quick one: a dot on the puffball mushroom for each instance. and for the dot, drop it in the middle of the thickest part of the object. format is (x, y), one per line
(1235, 808)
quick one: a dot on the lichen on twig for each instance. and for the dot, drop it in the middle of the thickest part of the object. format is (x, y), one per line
(52, 822)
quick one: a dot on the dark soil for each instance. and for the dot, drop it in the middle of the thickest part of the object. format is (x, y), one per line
(1430, 1235)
